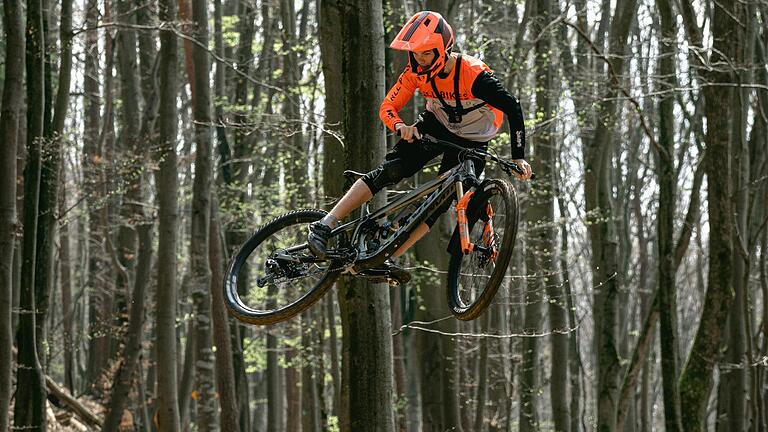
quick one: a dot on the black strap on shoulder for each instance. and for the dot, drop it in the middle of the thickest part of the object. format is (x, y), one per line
(456, 93)
(456, 113)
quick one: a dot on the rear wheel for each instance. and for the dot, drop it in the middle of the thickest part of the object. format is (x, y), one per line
(284, 278)
(474, 278)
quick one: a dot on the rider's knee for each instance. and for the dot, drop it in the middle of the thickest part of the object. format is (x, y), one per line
(382, 176)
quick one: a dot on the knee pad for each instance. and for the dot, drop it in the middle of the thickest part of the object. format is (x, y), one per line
(386, 174)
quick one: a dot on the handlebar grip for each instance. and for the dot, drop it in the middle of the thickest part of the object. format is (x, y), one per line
(519, 170)
(418, 125)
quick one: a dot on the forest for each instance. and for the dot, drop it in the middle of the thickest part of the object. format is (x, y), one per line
(143, 141)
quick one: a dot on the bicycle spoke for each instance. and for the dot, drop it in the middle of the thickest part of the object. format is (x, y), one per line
(281, 272)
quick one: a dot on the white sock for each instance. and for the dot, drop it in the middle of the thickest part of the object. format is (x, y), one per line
(330, 220)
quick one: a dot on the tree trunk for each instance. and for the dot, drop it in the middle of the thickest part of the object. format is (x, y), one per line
(13, 86)
(57, 187)
(437, 354)
(696, 380)
(333, 153)
(398, 360)
(167, 195)
(734, 381)
(110, 297)
(137, 150)
(295, 152)
(602, 228)
(131, 355)
(295, 148)
(93, 168)
(542, 211)
(311, 355)
(200, 281)
(49, 174)
(29, 406)
(667, 296)
(574, 355)
(235, 163)
(67, 310)
(225, 168)
(538, 253)
(225, 375)
(482, 377)
(529, 377)
(292, 380)
(275, 405)
(367, 332)
(759, 139)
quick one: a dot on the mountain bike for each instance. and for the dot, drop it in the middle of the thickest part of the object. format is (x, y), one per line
(285, 278)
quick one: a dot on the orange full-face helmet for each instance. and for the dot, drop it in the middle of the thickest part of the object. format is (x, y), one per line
(426, 31)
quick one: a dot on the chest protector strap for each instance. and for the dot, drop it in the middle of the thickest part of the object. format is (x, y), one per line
(455, 114)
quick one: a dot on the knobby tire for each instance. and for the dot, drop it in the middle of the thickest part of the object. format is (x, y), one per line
(484, 192)
(242, 311)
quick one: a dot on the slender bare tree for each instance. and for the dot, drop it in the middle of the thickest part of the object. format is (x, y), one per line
(13, 87)
(29, 405)
(697, 375)
(167, 195)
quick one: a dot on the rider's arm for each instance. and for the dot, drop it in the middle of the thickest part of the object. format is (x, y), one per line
(396, 98)
(488, 88)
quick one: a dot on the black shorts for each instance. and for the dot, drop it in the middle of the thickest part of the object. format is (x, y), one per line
(408, 158)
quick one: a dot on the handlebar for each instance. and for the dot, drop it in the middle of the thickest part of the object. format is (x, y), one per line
(507, 166)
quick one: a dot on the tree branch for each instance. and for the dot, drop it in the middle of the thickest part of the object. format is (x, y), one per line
(617, 83)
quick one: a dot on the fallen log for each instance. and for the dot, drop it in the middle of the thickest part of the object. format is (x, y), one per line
(73, 404)
(67, 399)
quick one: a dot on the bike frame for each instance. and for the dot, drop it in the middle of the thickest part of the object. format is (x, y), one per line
(437, 191)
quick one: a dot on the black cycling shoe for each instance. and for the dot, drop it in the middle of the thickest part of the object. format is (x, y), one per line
(397, 274)
(318, 238)
(388, 272)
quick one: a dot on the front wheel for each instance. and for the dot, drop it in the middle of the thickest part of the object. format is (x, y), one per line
(281, 276)
(474, 278)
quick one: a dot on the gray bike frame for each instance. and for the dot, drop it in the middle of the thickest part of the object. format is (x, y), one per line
(438, 191)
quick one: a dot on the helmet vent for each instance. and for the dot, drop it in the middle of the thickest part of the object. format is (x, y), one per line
(426, 22)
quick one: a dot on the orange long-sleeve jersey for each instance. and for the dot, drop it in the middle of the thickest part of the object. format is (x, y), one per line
(482, 96)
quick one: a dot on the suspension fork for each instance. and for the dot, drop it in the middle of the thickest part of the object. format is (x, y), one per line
(488, 235)
(461, 213)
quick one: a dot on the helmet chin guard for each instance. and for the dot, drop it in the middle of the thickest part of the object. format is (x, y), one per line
(426, 31)
(430, 71)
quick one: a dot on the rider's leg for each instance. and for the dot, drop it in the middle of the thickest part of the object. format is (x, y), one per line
(398, 165)
(358, 194)
(320, 232)
(416, 235)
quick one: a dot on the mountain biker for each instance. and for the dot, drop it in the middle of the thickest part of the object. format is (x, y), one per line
(470, 119)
